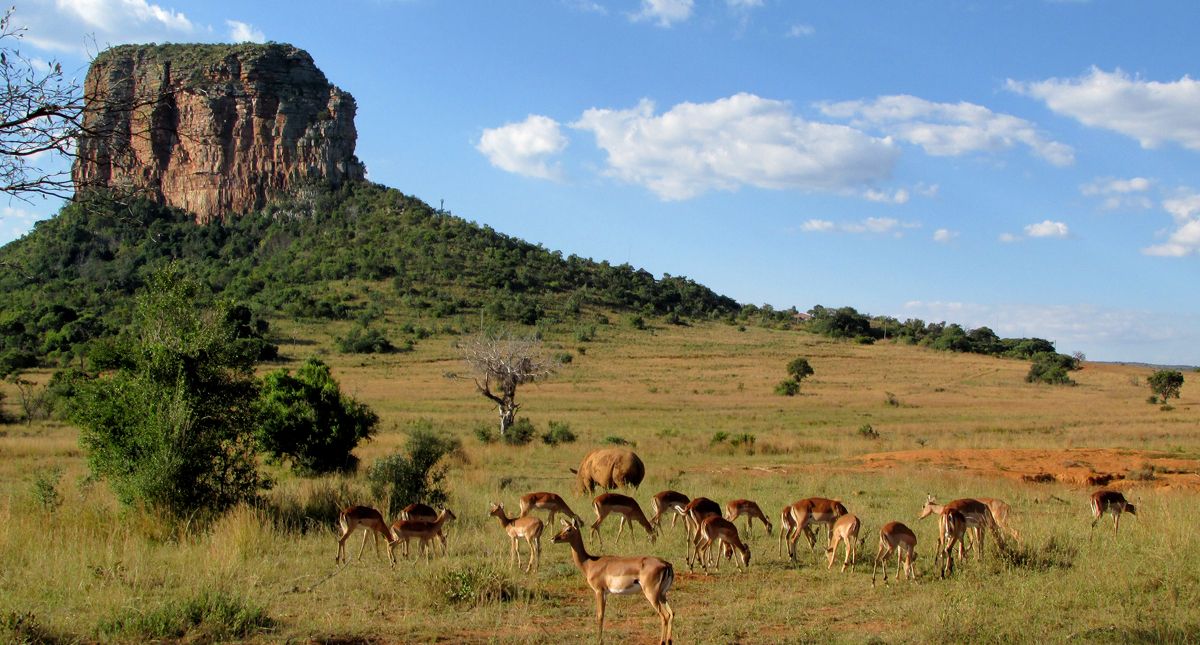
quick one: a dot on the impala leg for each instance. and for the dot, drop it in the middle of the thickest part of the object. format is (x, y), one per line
(362, 548)
(880, 554)
(535, 553)
(600, 613)
(1116, 522)
(621, 529)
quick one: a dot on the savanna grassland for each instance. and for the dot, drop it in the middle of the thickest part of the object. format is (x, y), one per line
(960, 425)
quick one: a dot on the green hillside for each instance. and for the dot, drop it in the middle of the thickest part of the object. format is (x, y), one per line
(67, 282)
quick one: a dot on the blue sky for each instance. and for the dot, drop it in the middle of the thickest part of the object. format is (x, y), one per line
(1026, 165)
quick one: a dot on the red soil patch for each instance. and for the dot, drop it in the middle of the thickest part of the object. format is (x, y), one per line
(1070, 466)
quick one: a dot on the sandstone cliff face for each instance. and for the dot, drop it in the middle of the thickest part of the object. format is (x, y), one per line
(213, 129)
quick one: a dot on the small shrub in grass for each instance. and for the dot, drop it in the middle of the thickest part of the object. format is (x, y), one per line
(45, 489)
(558, 433)
(744, 440)
(207, 616)
(867, 432)
(790, 387)
(519, 433)
(564, 358)
(617, 441)
(891, 400)
(1145, 473)
(637, 322)
(485, 433)
(1053, 554)
(417, 476)
(23, 627)
(1152, 400)
(473, 585)
(718, 437)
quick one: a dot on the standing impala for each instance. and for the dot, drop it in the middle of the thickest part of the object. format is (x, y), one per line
(750, 510)
(845, 531)
(625, 506)
(694, 513)
(1001, 512)
(896, 537)
(977, 516)
(813, 510)
(548, 502)
(529, 528)
(668, 500)
(371, 521)
(426, 531)
(418, 511)
(716, 528)
(952, 529)
(623, 575)
(1110, 501)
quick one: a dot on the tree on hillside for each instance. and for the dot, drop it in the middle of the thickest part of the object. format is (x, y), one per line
(1166, 384)
(798, 369)
(500, 363)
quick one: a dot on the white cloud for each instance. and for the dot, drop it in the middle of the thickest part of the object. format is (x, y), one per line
(870, 225)
(70, 25)
(524, 148)
(900, 196)
(744, 4)
(1120, 193)
(944, 235)
(664, 12)
(1047, 228)
(1184, 208)
(948, 129)
(1150, 111)
(801, 30)
(743, 140)
(1008, 238)
(240, 32)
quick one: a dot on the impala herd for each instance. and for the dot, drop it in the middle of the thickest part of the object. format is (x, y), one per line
(705, 526)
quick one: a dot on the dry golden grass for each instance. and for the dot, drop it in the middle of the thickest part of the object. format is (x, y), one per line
(668, 390)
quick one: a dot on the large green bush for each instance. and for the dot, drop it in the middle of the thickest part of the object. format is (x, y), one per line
(305, 419)
(172, 431)
(417, 475)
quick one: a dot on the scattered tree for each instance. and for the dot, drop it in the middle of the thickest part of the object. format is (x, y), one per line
(799, 369)
(1166, 384)
(306, 419)
(500, 363)
(173, 430)
(1051, 368)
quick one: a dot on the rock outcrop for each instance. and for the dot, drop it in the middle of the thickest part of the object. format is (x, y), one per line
(213, 129)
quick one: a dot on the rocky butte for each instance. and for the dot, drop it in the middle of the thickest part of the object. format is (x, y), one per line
(213, 129)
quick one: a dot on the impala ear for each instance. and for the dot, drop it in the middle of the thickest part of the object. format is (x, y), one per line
(566, 524)
(573, 471)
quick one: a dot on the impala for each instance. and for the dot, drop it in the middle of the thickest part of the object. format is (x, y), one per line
(529, 528)
(426, 531)
(952, 530)
(896, 537)
(623, 505)
(844, 531)
(716, 528)
(787, 525)
(1110, 501)
(370, 520)
(813, 510)
(744, 507)
(694, 513)
(977, 515)
(668, 499)
(623, 575)
(1000, 512)
(551, 502)
(418, 511)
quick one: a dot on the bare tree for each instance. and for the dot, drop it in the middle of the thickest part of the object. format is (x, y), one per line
(40, 113)
(502, 362)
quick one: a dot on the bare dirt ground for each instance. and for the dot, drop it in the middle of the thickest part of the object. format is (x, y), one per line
(1085, 467)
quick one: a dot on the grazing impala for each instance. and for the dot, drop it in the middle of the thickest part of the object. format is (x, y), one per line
(694, 512)
(625, 506)
(370, 520)
(668, 499)
(744, 507)
(716, 528)
(548, 502)
(896, 537)
(813, 510)
(1000, 512)
(529, 528)
(952, 530)
(405, 530)
(623, 575)
(977, 515)
(1110, 501)
(845, 531)
(787, 525)
(418, 511)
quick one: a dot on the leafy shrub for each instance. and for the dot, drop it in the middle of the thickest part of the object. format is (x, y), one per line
(558, 433)
(1166, 384)
(207, 616)
(473, 585)
(364, 340)
(585, 334)
(402, 479)
(787, 387)
(617, 441)
(891, 400)
(637, 322)
(45, 489)
(564, 358)
(520, 432)
(1051, 368)
(867, 432)
(485, 433)
(718, 437)
(799, 369)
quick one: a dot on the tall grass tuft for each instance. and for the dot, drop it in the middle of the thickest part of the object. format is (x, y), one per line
(474, 585)
(207, 615)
